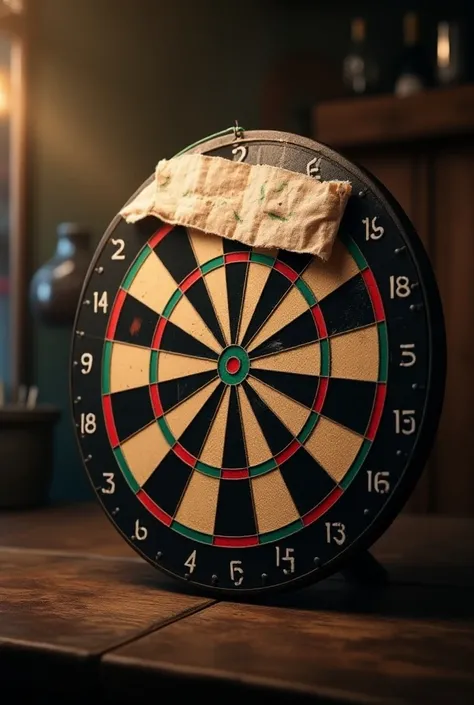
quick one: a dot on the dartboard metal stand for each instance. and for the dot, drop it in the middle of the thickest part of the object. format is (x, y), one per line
(253, 421)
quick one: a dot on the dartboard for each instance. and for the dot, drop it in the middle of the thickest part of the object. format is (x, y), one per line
(252, 419)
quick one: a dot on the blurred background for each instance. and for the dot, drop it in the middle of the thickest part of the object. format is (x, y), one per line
(94, 92)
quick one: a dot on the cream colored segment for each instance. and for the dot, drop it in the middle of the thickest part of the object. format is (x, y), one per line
(274, 506)
(217, 288)
(186, 317)
(257, 447)
(324, 277)
(213, 448)
(181, 416)
(205, 246)
(291, 306)
(334, 447)
(305, 359)
(292, 414)
(257, 275)
(173, 366)
(197, 509)
(129, 367)
(153, 284)
(144, 452)
(355, 355)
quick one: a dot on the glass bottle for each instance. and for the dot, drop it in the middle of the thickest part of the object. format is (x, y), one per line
(360, 71)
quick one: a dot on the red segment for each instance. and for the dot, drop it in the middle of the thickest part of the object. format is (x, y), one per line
(184, 455)
(322, 508)
(114, 314)
(234, 474)
(155, 401)
(320, 322)
(235, 541)
(109, 421)
(321, 393)
(288, 452)
(158, 334)
(159, 235)
(190, 280)
(154, 508)
(237, 257)
(233, 365)
(286, 270)
(376, 411)
(374, 294)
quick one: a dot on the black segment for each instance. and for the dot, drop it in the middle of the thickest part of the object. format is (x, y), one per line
(301, 388)
(275, 288)
(175, 339)
(176, 253)
(234, 246)
(294, 260)
(234, 445)
(199, 297)
(132, 410)
(349, 402)
(168, 482)
(147, 226)
(348, 307)
(300, 331)
(235, 514)
(235, 273)
(174, 391)
(136, 323)
(194, 436)
(276, 434)
(306, 480)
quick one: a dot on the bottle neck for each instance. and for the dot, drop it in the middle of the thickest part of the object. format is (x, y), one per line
(358, 31)
(410, 30)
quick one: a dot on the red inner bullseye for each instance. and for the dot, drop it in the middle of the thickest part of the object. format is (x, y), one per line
(233, 365)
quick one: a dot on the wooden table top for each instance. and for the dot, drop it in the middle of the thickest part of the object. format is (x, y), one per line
(77, 602)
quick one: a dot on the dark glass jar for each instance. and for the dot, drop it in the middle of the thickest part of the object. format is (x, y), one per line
(56, 286)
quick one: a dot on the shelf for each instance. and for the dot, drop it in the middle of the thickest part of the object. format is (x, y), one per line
(389, 119)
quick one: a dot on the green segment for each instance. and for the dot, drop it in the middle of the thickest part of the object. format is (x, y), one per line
(166, 431)
(325, 358)
(154, 367)
(306, 291)
(356, 465)
(172, 303)
(190, 533)
(262, 468)
(212, 264)
(106, 358)
(355, 252)
(383, 348)
(127, 283)
(262, 259)
(308, 427)
(281, 533)
(133, 484)
(208, 469)
(237, 377)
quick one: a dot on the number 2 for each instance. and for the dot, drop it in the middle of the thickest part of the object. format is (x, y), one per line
(240, 153)
(120, 245)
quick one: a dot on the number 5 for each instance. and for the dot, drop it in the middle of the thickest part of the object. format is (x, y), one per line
(235, 569)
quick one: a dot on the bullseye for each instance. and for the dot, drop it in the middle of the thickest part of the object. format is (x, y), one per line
(233, 365)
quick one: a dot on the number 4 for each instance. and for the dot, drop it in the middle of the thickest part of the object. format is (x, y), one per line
(191, 562)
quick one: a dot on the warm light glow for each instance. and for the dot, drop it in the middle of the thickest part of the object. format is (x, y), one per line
(444, 49)
(15, 6)
(4, 95)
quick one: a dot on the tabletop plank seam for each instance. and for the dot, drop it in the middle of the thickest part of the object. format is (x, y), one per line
(154, 627)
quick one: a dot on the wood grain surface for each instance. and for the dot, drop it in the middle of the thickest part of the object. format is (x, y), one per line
(331, 656)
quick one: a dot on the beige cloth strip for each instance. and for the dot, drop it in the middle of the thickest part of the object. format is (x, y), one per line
(259, 205)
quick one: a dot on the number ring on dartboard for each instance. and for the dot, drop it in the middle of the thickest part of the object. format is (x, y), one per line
(255, 414)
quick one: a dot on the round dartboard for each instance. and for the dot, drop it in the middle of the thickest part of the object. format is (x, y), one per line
(250, 418)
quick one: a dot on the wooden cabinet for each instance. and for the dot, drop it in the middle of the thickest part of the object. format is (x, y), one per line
(422, 149)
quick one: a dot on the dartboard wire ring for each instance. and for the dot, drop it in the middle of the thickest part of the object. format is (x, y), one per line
(435, 381)
(276, 461)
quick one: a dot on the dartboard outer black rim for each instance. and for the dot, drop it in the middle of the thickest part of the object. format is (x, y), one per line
(425, 393)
